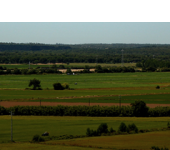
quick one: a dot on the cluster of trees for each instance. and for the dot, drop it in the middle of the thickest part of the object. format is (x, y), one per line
(103, 129)
(112, 111)
(17, 71)
(57, 86)
(100, 69)
(31, 47)
(54, 69)
(87, 53)
(154, 65)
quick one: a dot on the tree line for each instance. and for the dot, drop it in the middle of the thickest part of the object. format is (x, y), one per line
(55, 69)
(154, 65)
(138, 109)
(86, 53)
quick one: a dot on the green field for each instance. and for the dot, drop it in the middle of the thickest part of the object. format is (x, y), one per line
(134, 141)
(94, 80)
(150, 99)
(24, 127)
(101, 87)
(137, 141)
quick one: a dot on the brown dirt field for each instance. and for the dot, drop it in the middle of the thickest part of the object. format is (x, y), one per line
(11, 104)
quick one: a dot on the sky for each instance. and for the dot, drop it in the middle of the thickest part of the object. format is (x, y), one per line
(85, 21)
(85, 32)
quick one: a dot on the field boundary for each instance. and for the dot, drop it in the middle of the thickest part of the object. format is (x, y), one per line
(11, 104)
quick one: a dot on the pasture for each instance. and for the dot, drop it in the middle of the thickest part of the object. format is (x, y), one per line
(134, 141)
(25, 127)
(101, 87)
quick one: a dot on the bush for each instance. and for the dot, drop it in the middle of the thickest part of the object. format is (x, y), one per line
(103, 128)
(90, 132)
(157, 87)
(139, 109)
(16, 71)
(122, 127)
(2, 110)
(132, 127)
(69, 71)
(37, 138)
(157, 148)
(111, 130)
(58, 86)
(65, 85)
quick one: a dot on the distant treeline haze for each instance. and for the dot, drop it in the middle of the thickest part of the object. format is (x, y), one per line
(84, 53)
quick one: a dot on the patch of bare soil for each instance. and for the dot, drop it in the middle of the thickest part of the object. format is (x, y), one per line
(11, 104)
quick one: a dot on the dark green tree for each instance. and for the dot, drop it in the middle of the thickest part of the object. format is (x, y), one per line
(35, 83)
(58, 86)
(139, 109)
(103, 128)
(69, 71)
(122, 127)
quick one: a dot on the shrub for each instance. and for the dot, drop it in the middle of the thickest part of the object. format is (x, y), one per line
(65, 85)
(37, 138)
(2, 110)
(157, 87)
(111, 130)
(157, 148)
(69, 71)
(90, 132)
(103, 128)
(139, 109)
(122, 127)
(17, 71)
(132, 127)
(58, 86)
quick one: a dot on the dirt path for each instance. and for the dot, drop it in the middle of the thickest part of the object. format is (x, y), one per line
(10, 104)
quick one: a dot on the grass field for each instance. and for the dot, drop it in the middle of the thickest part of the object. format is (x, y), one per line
(104, 86)
(94, 80)
(137, 141)
(24, 127)
(134, 141)
(150, 99)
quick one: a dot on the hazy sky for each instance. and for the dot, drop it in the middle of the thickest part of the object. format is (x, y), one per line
(85, 32)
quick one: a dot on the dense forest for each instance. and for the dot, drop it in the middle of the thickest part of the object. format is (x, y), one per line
(87, 53)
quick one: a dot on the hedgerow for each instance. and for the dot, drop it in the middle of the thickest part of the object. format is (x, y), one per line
(102, 111)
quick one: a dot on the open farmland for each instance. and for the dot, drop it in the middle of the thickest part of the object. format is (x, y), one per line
(27, 126)
(138, 141)
(96, 88)
(24, 127)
